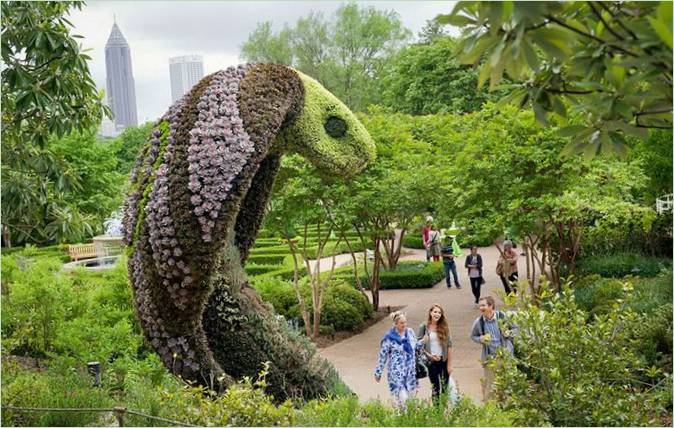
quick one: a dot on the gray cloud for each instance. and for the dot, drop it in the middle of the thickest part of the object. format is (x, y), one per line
(157, 30)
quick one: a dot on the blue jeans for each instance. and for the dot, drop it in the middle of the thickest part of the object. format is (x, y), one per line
(451, 268)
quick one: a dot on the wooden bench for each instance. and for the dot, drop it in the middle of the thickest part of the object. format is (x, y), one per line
(82, 251)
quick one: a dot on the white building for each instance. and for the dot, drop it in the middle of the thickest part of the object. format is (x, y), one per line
(185, 71)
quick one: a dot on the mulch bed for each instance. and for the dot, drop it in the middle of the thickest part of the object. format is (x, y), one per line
(323, 341)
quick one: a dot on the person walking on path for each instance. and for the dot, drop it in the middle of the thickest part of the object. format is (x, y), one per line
(449, 263)
(437, 341)
(474, 266)
(506, 268)
(434, 243)
(492, 330)
(424, 235)
(398, 347)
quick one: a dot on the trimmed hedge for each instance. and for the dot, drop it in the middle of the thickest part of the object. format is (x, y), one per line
(344, 308)
(255, 269)
(413, 241)
(622, 264)
(265, 243)
(409, 274)
(267, 259)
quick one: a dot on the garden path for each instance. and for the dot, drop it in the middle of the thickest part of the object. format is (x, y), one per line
(356, 357)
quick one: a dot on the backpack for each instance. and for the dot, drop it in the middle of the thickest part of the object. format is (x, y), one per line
(499, 316)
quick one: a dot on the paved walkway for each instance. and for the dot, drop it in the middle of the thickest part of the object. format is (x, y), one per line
(356, 357)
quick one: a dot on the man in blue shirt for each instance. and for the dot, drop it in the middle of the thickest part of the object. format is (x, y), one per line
(492, 331)
(449, 263)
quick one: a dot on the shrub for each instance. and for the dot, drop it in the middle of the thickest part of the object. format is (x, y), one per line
(622, 264)
(352, 296)
(59, 386)
(276, 249)
(349, 412)
(279, 293)
(269, 242)
(597, 295)
(652, 334)
(651, 293)
(267, 259)
(575, 371)
(341, 315)
(344, 308)
(413, 241)
(408, 274)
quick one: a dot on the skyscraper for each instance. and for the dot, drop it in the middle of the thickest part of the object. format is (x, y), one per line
(121, 88)
(185, 71)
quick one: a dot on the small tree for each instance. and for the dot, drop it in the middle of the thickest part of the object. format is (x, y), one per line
(297, 204)
(47, 90)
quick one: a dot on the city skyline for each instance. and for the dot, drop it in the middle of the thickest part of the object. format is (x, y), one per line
(120, 86)
(213, 29)
(185, 72)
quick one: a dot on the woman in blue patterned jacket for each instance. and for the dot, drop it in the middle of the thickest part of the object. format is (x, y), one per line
(398, 348)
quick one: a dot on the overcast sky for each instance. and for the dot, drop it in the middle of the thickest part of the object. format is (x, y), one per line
(157, 30)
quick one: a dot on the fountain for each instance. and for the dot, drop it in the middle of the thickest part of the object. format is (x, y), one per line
(109, 246)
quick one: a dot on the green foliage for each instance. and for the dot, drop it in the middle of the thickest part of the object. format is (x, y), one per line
(609, 61)
(348, 412)
(128, 144)
(268, 259)
(622, 264)
(408, 274)
(426, 79)
(575, 370)
(84, 315)
(344, 53)
(344, 308)
(47, 88)
(342, 154)
(55, 388)
(413, 241)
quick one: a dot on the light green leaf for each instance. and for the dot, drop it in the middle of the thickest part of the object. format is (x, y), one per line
(455, 20)
(661, 29)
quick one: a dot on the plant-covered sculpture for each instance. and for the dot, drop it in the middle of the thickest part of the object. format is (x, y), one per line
(197, 199)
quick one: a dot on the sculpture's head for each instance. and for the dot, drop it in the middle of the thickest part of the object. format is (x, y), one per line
(327, 133)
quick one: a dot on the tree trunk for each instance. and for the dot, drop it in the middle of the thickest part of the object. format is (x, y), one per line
(244, 334)
(374, 281)
(6, 237)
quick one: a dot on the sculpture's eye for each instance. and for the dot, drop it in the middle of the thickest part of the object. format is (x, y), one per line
(335, 127)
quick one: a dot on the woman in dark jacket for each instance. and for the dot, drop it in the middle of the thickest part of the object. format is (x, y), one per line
(474, 266)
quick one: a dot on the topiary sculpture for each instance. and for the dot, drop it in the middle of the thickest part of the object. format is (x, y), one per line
(197, 199)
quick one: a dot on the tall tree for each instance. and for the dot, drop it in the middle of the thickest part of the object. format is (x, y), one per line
(426, 79)
(345, 53)
(46, 90)
(610, 60)
(431, 31)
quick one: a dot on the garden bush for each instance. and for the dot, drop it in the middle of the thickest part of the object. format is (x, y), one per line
(575, 370)
(57, 387)
(344, 308)
(341, 315)
(267, 259)
(597, 295)
(349, 412)
(408, 274)
(413, 241)
(622, 264)
(276, 249)
(253, 269)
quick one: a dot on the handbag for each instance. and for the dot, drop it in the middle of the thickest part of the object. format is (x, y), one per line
(482, 281)
(421, 362)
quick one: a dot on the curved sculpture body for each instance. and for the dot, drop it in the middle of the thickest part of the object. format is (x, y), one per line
(198, 194)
